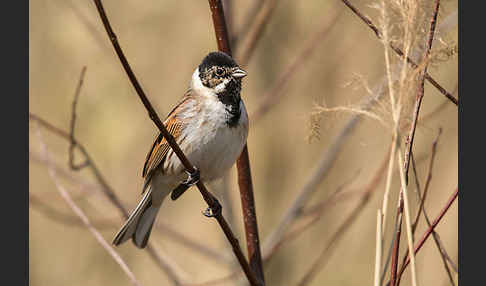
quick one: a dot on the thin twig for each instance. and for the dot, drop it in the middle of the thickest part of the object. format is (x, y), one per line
(439, 108)
(421, 199)
(403, 201)
(406, 208)
(429, 231)
(248, 45)
(388, 257)
(315, 212)
(420, 94)
(163, 263)
(73, 124)
(367, 192)
(101, 224)
(396, 247)
(427, 182)
(397, 50)
(242, 163)
(86, 188)
(315, 216)
(379, 248)
(207, 196)
(79, 212)
(245, 27)
(271, 96)
(268, 252)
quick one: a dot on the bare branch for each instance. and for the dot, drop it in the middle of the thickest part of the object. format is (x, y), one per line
(73, 124)
(277, 91)
(421, 208)
(247, 45)
(163, 262)
(166, 230)
(242, 164)
(429, 231)
(86, 188)
(397, 50)
(367, 192)
(245, 27)
(79, 212)
(402, 199)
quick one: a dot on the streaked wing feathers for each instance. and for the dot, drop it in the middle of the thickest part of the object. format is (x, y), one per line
(160, 148)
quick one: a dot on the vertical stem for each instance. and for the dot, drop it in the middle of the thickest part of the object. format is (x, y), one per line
(249, 213)
(243, 163)
(379, 248)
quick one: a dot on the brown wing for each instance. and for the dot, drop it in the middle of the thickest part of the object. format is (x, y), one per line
(160, 148)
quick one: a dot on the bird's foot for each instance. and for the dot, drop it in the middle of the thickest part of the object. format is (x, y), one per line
(214, 210)
(192, 179)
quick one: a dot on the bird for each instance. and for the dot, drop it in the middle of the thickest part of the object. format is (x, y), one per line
(210, 124)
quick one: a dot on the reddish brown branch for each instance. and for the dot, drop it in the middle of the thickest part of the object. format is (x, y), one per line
(207, 196)
(420, 94)
(429, 231)
(427, 182)
(396, 246)
(243, 163)
(443, 253)
(397, 50)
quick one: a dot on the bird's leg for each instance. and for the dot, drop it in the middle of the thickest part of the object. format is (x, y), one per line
(192, 179)
(213, 210)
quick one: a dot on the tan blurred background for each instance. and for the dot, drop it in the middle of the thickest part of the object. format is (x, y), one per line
(164, 42)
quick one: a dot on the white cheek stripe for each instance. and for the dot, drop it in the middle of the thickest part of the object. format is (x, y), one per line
(220, 87)
(198, 87)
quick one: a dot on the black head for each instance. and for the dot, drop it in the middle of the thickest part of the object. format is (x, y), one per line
(217, 59)
(220, 73)
(218, 66)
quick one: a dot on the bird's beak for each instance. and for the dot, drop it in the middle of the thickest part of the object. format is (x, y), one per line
(239, 73)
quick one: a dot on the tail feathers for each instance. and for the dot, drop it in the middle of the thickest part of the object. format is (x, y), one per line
(130, 227)
(144, 226)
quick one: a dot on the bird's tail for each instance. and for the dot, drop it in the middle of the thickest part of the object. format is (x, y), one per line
(139, 224)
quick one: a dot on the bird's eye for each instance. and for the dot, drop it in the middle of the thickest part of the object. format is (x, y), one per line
(219, 71)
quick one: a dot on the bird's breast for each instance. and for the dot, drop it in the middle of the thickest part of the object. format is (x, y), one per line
(210, 143)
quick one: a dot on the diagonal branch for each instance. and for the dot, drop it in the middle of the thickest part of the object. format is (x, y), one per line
(429, 231)
(102, 224)
(249, 17)
(243, 163)
(247, 45)
(79, 212)
(73, 124)
(397, 50)
(421, 198)
(271, 96)
(207, 196)
(163, 263)
(367, 192)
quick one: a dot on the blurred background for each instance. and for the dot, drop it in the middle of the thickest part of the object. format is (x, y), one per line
(164, 42)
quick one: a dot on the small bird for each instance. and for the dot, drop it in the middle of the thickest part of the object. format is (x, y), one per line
(210, 124)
